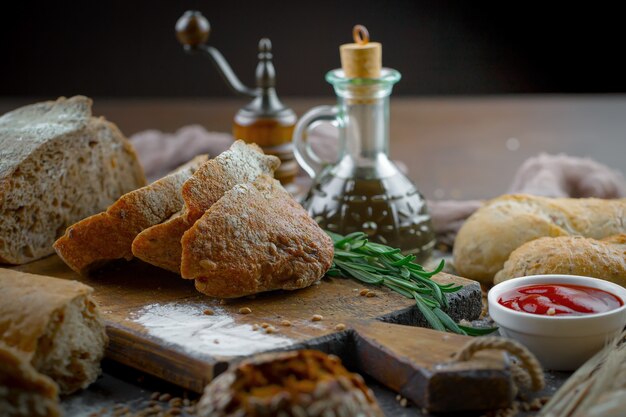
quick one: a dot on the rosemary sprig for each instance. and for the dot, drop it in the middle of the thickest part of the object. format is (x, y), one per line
(376, 264)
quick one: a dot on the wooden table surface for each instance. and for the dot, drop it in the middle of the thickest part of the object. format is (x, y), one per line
(454, 148)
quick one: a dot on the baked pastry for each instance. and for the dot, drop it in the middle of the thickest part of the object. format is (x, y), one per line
(55, 324)
(24, 392)
(292, 384)
(109, 235)
(488, 237)
(570, 255)
(160, 245)
(58, 165)
(255, 238)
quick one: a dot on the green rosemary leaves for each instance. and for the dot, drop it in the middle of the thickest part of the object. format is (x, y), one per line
(376, 264)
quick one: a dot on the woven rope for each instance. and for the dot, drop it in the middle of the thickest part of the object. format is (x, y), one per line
(528, 373)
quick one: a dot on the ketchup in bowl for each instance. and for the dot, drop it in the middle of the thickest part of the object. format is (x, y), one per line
(559, 299)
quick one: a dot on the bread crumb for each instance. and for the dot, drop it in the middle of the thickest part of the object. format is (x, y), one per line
(255, 327)
(155, 395)
(208, 312)
(370, 294)
(364, 292)
(265, 325)
(245, 310)
(551, 311)
(340, 327)
(270, 329)
(165, 397)
(285, 323)
(317, 317)
(404, 402)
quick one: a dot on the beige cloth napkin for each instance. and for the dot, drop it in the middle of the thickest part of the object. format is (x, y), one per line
(545, 175)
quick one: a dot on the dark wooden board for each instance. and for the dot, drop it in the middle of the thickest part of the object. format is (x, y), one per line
(156, 323)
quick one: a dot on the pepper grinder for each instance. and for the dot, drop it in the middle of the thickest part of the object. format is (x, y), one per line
(265, 121)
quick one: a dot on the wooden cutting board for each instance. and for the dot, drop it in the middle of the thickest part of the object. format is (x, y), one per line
(158, 323)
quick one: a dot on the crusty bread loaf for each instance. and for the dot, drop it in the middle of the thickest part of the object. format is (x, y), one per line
(160, 245)
(24, 392)
(58, 165)
(107, 236)
(55, 324)
(570, 255)
(255, 238)
(488, 237)
(292, 384)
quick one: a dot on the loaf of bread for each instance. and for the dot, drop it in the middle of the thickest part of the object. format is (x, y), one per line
(55, 324)
(300, 383)
(160, 245)
(58, 165)
(570, 255)
(488, 237)
(108, 236)
(255, 238)
(24, 392)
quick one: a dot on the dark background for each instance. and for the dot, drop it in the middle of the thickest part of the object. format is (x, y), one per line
(128, 49)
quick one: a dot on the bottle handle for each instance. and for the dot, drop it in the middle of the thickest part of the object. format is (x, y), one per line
(304, 154)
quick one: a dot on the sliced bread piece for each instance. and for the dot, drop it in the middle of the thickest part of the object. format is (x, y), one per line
(55, 324)
(24, 392)
(58, 165)
(255, 238)
(160, 245)
(107, 236)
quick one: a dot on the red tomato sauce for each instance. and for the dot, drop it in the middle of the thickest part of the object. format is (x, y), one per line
(559, 299)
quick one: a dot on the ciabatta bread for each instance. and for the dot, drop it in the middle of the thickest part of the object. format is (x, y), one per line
(58, 165)
(570, 255)
(255, 238)
(305, 383)
(107, 236)
(160, 245)
(488, 237)
(24, 392)
(55, 324)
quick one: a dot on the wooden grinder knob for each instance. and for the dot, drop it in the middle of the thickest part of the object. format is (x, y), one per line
(361, 59)
(192, 28)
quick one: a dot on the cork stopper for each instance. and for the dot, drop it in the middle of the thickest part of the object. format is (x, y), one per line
(361, 59)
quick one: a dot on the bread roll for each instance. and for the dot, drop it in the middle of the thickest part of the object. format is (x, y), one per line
(24, 392)
(488, 237)
(255, 238)
(293, 384)
(55, 324)
(107, 236)
(570, 255)
(58, 165)
(160, 245)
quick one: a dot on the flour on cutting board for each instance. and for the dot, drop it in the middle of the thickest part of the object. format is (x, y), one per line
(218, 334)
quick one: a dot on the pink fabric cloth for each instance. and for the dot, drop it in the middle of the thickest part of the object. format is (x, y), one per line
(545, 175)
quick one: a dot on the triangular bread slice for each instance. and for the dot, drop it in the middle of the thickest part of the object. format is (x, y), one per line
(255, 238)
(107, 236)
(160, 245)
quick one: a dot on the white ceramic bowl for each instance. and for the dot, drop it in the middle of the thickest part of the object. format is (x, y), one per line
(559, 342)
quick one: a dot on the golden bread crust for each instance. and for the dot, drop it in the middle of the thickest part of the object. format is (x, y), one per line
(570, 255)
(240, 164)
(107, 236)
(488, 237)
(255, 238)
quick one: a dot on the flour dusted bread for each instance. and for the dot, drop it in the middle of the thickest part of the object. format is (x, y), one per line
(24, 392)
(58, 165)
(488, 237)
(160, 245)
(107, 236)
(255, 238)
(55, 324)
(570, 255)
(292, 384)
